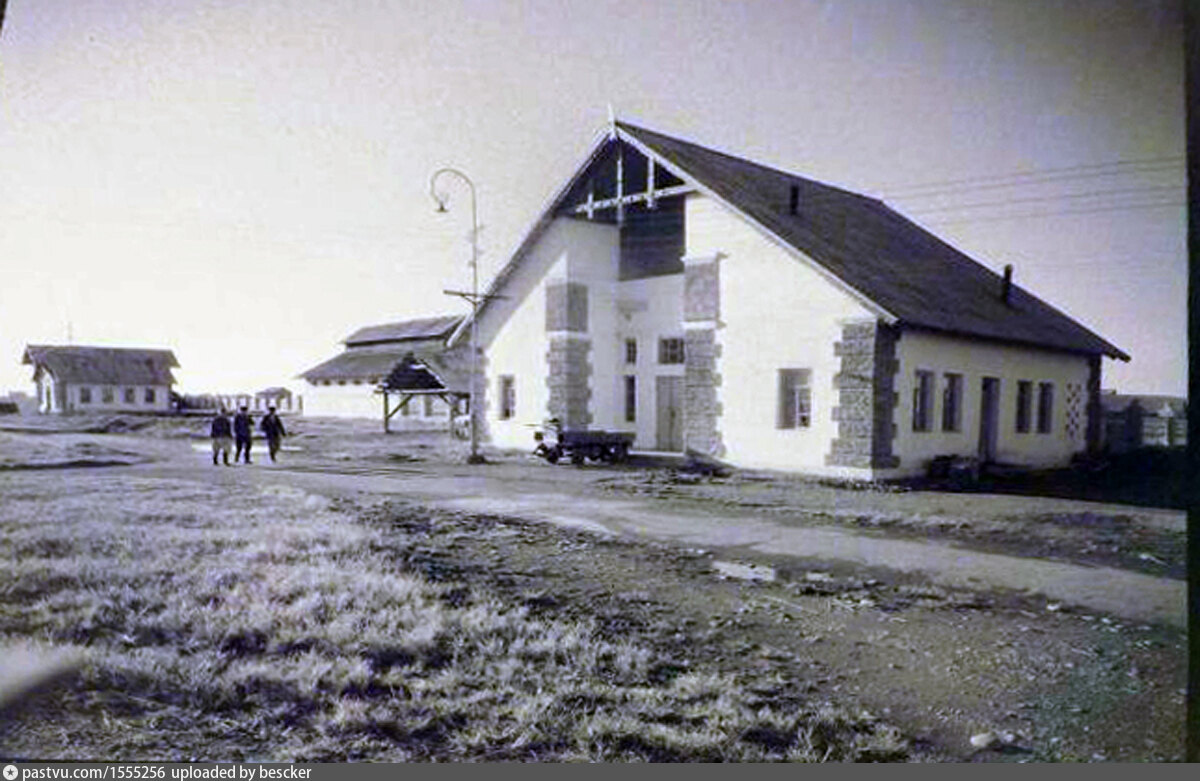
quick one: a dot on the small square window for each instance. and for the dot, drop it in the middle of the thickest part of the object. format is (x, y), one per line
(150, 396)
(85, 395)
(670, 350)
(130, 396)
(106, 395)
(631, 351)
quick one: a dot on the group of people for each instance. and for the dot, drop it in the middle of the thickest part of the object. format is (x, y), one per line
(241, 431)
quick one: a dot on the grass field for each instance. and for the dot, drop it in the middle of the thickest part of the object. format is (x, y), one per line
(270, 624)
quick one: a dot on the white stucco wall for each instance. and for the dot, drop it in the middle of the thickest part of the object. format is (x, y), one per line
(976, 360)
(343, 401)
(513, 330)
(73, 397)
(776, 313)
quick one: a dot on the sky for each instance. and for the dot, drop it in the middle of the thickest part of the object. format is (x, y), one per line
(246, 183)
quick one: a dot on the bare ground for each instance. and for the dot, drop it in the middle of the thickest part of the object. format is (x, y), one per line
(938, 665)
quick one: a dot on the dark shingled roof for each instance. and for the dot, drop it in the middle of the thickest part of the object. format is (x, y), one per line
(910, 273)
(103, 365)
(907, 273)
(425, 328)
(366, 364)
(429, 371)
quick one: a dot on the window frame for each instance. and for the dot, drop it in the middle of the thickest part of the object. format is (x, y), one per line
(507, 395)
(923, 401)
(793, 402)
(1045, 408)
(952, 398)
(668, 355)
(1024, 411)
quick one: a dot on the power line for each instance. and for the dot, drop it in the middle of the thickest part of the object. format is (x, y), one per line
(1060, 197)
(1063, 212)
(1025, 178)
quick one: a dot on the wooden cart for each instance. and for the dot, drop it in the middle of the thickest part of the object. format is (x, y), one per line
(608, 446)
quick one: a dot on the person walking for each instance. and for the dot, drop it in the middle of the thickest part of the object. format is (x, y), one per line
(272, 427)
(243, 427)
(222, 436)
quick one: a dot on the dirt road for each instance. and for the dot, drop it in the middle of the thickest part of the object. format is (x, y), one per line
(493, 490)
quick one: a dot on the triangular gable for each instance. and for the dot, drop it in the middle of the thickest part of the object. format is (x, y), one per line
(895, 268)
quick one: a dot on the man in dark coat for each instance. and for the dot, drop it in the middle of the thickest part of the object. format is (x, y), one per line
(222, 436)
(272, 427)
(243, 427)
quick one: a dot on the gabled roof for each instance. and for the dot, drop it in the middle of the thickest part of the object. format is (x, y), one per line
(424, 328)
(103, 365)
(428, 371)
(906, 274)
(365, 364)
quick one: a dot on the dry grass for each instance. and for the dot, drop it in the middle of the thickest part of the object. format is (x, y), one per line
(234, 623)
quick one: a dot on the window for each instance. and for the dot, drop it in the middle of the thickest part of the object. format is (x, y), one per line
(1045, 420)
(923, 401)
(631, 351)
(1024, 405)
(130, 396)
(508, 396)
(150, 396)
(106, 395)
(670, 351)
(630, 398)
(429, 406)
(795, 398)
(85, 395)
(952, 403)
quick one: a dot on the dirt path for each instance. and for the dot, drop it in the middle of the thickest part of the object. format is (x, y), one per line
(1128, 595)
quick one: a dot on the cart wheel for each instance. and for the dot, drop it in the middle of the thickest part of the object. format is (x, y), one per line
(577, 458)
(552, 455)
(620, 454)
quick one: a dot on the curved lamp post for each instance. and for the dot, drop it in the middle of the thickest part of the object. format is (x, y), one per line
(441, 201)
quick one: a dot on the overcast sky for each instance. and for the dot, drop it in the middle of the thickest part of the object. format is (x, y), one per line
(246, 182)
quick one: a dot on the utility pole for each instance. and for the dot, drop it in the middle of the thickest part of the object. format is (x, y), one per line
(473, 297)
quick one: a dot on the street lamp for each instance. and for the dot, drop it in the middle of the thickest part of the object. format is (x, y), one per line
(473, 297)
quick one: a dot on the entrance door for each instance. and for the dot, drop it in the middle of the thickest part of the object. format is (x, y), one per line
(989, 418)
(669, 395)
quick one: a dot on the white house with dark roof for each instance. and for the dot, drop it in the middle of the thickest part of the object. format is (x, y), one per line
(348, 385)
(711, 304)
(71, 378)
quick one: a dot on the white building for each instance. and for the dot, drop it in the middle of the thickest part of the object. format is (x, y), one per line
(711, 304)
(348, 384)
(101, 379)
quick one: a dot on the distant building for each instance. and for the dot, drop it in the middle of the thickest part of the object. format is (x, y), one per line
(101, 379)
(349, 384)
(1139, 420)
